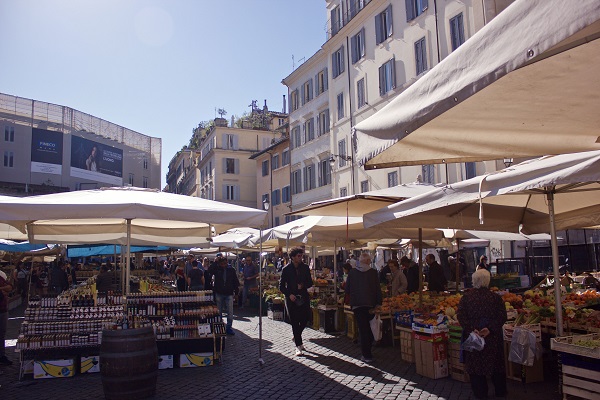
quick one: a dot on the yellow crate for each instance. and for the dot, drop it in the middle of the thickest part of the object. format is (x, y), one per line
(352, 330)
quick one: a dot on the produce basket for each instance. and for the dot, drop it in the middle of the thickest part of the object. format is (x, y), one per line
(568, 344)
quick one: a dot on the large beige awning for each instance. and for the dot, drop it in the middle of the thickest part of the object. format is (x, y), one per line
(527, 84)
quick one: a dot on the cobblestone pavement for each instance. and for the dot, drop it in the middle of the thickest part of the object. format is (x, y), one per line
(329, 370)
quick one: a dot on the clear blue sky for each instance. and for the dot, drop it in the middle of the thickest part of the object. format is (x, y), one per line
(158, 67)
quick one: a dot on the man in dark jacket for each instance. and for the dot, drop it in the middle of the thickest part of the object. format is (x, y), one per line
(365, 294)
(226, 284)
(411, 270)
(437, 280)
(59, 280)
(294, 282)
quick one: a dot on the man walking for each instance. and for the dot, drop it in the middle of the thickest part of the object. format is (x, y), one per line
(226, 284)
(294, 282)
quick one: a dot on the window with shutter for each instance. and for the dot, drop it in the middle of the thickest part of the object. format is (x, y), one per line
(383, 25)
(387, 77)
(360, 93)
(457, 31)
(421, 56)
(340, 106)
(414, 8)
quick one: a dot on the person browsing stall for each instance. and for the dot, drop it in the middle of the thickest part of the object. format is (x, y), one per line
(483, 312)
(365, 294)
(437, 280)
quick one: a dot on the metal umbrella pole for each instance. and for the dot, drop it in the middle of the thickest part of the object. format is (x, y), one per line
(555, 266)
(128, 264)
(260, 312)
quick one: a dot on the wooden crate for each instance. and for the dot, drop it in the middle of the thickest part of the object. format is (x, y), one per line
(456, 369)
(315, 319)
(580, 382)
(352, 328)
(407, 346)
(515, 371)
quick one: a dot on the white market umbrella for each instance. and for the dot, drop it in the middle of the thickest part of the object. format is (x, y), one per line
(524, 86)
(127, 204)
(236, 238)
(537, 196)
(359, 204)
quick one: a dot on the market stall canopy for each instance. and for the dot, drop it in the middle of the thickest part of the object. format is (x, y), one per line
(144, 232)
(525, 85)
(20, 247)
(236, 238)
(514, 199)
(128, 203)
(490, 235)
(9, 232)
(110, 249)
(359, 204)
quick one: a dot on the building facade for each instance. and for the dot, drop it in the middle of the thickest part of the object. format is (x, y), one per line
(46, 148)
(273, 180)
(219, 167)
(374, 50)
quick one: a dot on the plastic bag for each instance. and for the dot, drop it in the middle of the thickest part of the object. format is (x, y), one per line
(376, 325)
(473, 343)
(523, 347)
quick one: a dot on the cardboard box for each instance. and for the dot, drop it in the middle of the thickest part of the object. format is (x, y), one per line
(63, 368)
(90, 365)
(431, 359)
(165, 361)
(196, 360)
(434, 337)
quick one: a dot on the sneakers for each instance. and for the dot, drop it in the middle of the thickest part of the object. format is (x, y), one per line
(230, 331)
(366, 360)
(302, 348)
(299, 351)
(5, 361)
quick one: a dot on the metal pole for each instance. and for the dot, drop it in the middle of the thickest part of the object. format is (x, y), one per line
(260, 312)
(420, 266)
(555, 266)
(457, 261)
(128, 266)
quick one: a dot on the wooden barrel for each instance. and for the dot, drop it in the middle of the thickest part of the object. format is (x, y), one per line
(128, 363)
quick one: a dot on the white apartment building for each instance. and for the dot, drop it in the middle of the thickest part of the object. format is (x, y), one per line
(375, 50)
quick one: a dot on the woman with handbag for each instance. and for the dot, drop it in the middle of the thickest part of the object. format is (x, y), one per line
(482, 312)
(365, 294)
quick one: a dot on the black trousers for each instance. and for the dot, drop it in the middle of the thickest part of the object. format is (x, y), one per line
(479, 384)
(298, 319)
(363, 319)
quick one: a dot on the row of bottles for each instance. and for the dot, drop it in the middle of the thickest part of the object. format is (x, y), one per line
(79, 298)
(58, 340)
(200, 296)
(78, 313)
(168, 309)
(127, 323)
(32, 328)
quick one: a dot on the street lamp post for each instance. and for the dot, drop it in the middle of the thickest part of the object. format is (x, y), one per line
(345, 158)
(266, 206)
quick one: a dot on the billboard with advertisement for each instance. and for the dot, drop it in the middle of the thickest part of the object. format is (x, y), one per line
(46, 151)
(95, 161)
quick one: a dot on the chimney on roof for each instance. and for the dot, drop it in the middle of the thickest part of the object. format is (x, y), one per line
(284, 107)
(265, 108)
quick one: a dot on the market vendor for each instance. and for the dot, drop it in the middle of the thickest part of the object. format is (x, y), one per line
(399, 282)
(411, 270)
(437, 280)
(590, 282)
(103, 280)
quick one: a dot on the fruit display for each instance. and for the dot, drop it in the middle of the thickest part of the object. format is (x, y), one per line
(397, 303)
(592, 344)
